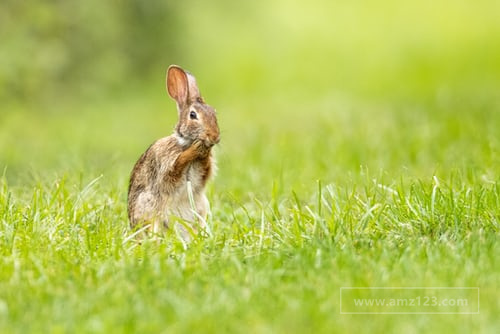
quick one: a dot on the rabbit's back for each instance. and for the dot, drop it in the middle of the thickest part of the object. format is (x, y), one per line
(149, 182)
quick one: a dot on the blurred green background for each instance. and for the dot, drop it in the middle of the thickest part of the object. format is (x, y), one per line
(310, 90)
(57, 48)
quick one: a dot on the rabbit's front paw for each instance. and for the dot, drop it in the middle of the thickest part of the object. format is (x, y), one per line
(202, 150)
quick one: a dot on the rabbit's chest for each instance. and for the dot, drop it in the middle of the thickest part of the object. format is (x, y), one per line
(190, 186)
(194, 175)
(191, 181)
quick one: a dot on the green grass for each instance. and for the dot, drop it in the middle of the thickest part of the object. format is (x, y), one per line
(299, 210)
(359, 148)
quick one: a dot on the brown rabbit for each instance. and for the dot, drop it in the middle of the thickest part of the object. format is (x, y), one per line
(159, 182)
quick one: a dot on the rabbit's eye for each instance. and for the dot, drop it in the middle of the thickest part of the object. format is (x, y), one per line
(193, 115)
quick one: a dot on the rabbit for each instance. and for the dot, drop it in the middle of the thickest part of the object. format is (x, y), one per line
(158, 188)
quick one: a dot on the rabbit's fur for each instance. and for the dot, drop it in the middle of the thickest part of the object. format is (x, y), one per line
(158, 189)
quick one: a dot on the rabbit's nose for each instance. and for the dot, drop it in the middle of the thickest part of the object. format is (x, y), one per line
(214, 136)
(214, 139)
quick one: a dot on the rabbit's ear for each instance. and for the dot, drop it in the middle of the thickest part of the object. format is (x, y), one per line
(177, 84)
(181, 85)
(193, 90)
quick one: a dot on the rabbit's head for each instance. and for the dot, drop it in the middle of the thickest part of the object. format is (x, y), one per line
(197, 120)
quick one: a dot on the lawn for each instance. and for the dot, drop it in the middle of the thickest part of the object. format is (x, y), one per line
(337, 168)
